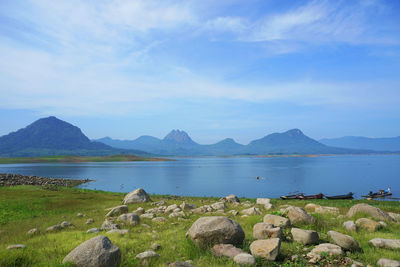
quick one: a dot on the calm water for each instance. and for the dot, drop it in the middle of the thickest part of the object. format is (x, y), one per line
(222, 176)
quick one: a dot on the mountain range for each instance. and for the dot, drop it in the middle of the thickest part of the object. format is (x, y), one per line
(52, 136)
(390, 144)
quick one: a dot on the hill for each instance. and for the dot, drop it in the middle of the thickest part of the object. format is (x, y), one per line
(52, 136)
(358, 142)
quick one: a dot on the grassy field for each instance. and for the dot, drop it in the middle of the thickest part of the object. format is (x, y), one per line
(26, 207)
(61, 159)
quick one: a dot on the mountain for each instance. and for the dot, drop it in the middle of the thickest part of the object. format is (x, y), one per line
(358, 142)
(179, 143)
(52, 136)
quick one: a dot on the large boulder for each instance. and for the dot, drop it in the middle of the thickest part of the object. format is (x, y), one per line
(136, 196)
(231, 198)
(276, 220)
(117, 211)
(306, 237)
(266, 248)
(227, 250)
(387, 263)
(324, 249)
(109, 225)
(395, 216)
(368, 224)
(129, 218)
(95, 252)
(251, 211)
(385, 243)
(346, 242)
(266, 230)
(374, 212)
(298, 215)
(208, 231)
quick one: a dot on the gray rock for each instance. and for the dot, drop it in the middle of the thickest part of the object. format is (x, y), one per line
(325, 248)
(298, 215)
(231, 199)
(324, 210)
(350, 226)
(306, 237)
(65, 224)
(374, 212)
(95, 252)
(79, 215)
(155, 246)
(226, 250)
(109, 225)
(139, 211)
(147, 216)
(176, 214)
(385, 243)
(368, 224)
(117, 211)
(171, 208)
(18, 246)
(388, 263)
(33, 231)
(208, 231)
(147, 255)
(383, 224)
(187, 206)
(311, 207)
(136, 196)
(233, 212)
(54, 228)
(89, 221)
(268, 206)
(346, 242)
(266, 248)
(119, 231)
(181, 264)
(266, 230)
(251, 211)
(263, 201)
(93, 230)
(218, 206)
(129, 218)
(394, 216)
(159, 219)
(277, 221)
(244, 259)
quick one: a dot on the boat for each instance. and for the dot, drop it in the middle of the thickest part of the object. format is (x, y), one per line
(294, 196)
(379, 194)
(348, 196)
(318, 196)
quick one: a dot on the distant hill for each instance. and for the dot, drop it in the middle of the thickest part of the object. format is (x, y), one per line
(179, 143)
(52, 136)
(358, 142)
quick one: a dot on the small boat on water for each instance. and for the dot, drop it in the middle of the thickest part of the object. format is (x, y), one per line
(318, 196)
(294, 196)
(348, 196)
(379, 194)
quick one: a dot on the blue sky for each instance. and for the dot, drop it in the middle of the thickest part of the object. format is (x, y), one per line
(216, 69)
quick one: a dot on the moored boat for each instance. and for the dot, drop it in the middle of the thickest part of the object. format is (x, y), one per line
(318, 196)
(294, 196)
(381, 193)
(347, 196)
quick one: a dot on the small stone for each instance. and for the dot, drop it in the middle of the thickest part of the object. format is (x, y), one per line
(350, 226)
(277, 221)
(119, 231)
(109, 225)
(117, 211)
(231, 199)
(383, 224)
(251, 211)
(176, 214)
(19, 246)
(298, 215)
(385, 243)
(146, 225)
(265, 231)
(267, 248)
(171, 208)
(139, 211)
(180, 264)
(65, 224)
(159, 219)
(54, 228)
(218, 206)
(33, 231)
(89, 221)
(129, 218)
(388, 263)
(344, 241)
(79, 215)
(226, 250)
(147, 255)
(263, 201)
(147, 216)
(306, 237)
(325, 248)
(155, 246)
(93, 230)
(244, 259)
(368, 224)
(233, 212)
(187, 206)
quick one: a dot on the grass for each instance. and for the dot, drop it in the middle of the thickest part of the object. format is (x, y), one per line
(64, 159)
(26, 207)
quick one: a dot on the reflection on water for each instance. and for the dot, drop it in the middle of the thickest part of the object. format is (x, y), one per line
(222, 176)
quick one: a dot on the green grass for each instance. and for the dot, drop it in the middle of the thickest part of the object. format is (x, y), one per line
(26, 207)
(60, 159)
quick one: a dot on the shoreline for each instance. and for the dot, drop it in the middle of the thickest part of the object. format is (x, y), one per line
(18, 179)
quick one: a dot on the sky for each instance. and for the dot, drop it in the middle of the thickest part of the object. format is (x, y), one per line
(216, 69)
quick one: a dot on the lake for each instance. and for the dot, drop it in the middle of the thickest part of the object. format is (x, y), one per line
(213, 176)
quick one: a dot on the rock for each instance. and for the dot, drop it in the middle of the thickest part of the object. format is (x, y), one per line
(93, 230)
(117, 211)
(129, 218)
(356, 264)
(266, 230)
(147, 216)
(147, 255)
(136, 196)
(65, 224)
(89, 221)
(19, 246)
(33, 231)
(277, 221)
(155, 246)
(346, 242)
(146, 226)
(97, 252)
(325, 248)
(176, 214)
(139, 211)
(119, 231)
(54, 228)
(374, 212)
(263, 201)
(208, 231)
(385, 243)
(171, 208)
(187, 206)
(298, 215)
(233, 212)
(231, 199)
(159, 203)
(266, 248)
(383, 224)
(350, 226)
(311, 207)
(218, 206)
(251, 211)
(324, 210)
(159, 219)
(180, 264)
(388, 263)
(79, 215)
(268, 206)
(306, 237)
(177, 210)
(244, 259)
(226, 250)
(368, 224)
(394, 216)
(109, 225)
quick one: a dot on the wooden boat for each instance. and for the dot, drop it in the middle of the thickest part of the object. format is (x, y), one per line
(379, 194)
(348, 196)
(318, 196)
(294, 196)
